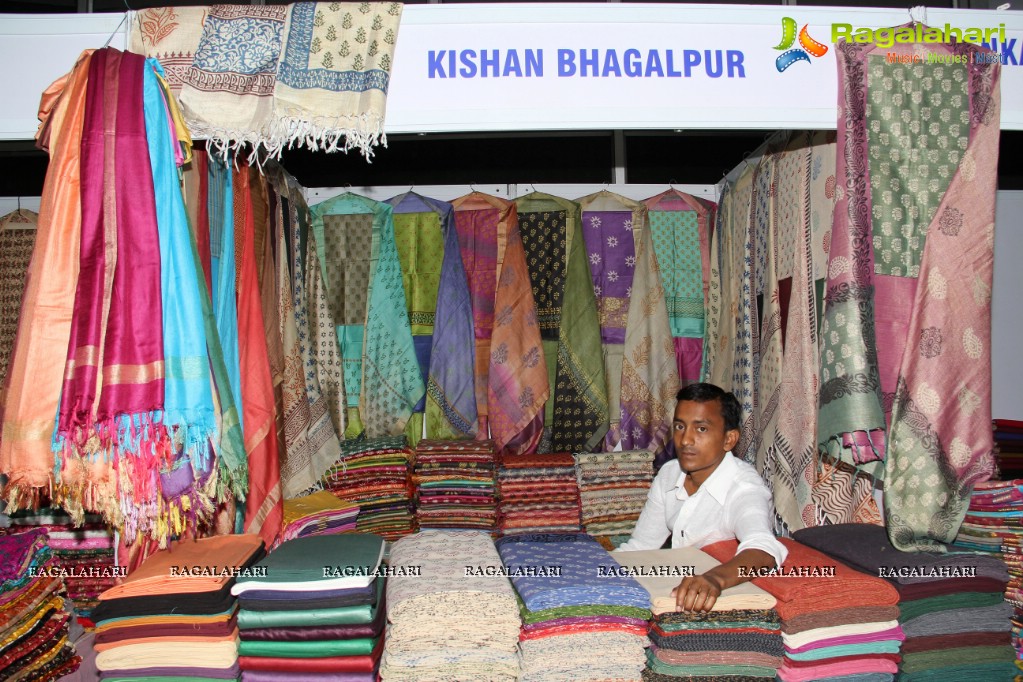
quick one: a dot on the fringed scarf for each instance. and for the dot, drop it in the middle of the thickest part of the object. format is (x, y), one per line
(577, 418)
(190, 484)
(680, 225)
(437, 296)
(511, 388)
(36, 367)
(264, 508)
(311, 442)
(639, 355)
(382, 366)
(227, 92)
(940, 438)
(334, 72)
(731, 335)
(113, 395)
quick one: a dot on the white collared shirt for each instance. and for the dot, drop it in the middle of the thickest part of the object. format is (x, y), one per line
(732, 503)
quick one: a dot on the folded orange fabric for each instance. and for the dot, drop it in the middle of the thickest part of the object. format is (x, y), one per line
(171, 619)
(203, 565)
(178, 640)
(802, 595)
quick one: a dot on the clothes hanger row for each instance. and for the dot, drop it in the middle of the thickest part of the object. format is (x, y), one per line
(19, 219)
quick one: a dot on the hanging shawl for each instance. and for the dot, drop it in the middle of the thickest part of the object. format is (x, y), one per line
(311, 442)
(230, 449)
(940, 439)
(731, 336)
(382, 377)
(511, 389)
(227, 92)
(264, 508)
(437, 295)
(333, 75)
(639, 355)
(113, 393)
(680, 226)
(190, 485)
(37, 364)
(17, 237)
(171, 35)
(577, 418)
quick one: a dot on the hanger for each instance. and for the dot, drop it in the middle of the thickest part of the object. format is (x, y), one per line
(128, 11)
(19, 219)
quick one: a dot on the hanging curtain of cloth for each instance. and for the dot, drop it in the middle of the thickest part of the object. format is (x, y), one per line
(918, 151)
(639, 352)
(511, 388)
(731, 333)
(36, 368)
(17, 239)
(309, 419)
(681, 225)
(440, 312)
(354, 241)
(577, 418)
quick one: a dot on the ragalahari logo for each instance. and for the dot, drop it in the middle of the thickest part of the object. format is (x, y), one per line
(808, 46)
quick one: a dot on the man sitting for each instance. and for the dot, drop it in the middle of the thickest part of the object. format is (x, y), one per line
(707, 495)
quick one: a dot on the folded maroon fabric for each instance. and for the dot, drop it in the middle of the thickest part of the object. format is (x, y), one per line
(915, 645)
(319, 632)
(913, 591)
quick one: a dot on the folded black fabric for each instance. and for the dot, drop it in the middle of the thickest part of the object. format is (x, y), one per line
(279, 600)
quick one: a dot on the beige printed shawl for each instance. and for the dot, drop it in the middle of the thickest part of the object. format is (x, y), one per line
(170, 35)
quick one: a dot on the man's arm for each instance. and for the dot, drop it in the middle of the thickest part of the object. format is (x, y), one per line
(700, 592)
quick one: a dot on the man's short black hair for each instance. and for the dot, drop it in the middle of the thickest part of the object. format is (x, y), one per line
(705, 393)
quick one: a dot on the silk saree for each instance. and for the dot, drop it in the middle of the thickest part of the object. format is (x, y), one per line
(639, 353)
(577, 417)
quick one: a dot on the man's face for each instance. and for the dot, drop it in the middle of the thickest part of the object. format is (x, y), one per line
(698, 432)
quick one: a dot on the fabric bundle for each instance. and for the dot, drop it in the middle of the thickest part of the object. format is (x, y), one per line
(375, 473)
(175, 617)
(951, 606)
(450, 575)
(315, 606)
(576, 417)
(835, 620)
(85, 554)
(613, 488)
(456, 484)
(319, 513)
(440, 313)
(994, 525)
(583, 617)
(34, 615)
(538, 493)
(741, 636)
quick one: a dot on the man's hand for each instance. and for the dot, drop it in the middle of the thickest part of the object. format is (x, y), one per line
(697, 593)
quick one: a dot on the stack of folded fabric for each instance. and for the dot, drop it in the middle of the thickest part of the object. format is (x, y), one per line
(951, 605)
(584, 617)
(741, 636)
(320, 513)
(34, 616)
(538, 493)
(174, 616)
(85, 553)
(374, 473)
(452, 613)
(1009, 446)
(455, 481)
(835, 620)
(613, 488)
(313, 610)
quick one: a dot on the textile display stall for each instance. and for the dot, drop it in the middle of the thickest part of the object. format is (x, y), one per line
(196, 348)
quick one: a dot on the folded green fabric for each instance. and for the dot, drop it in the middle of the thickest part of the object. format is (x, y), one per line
(954, 658)
(302, 560)
(309, 649)
(658, 666)
(344, 615)
(963, 673)
(908, 610)
(888, 646)
(530, 617)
